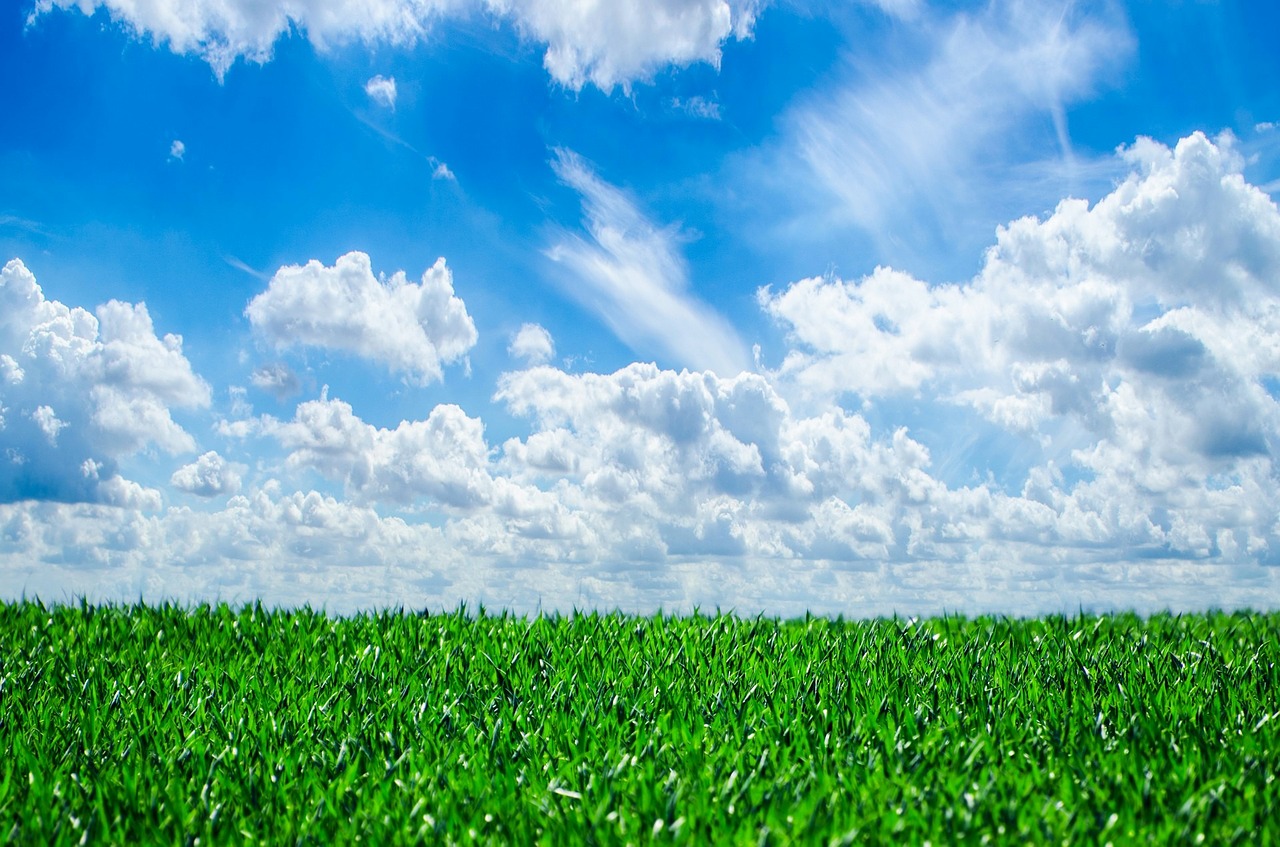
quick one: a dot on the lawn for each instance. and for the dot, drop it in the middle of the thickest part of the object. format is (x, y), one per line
(211, 724)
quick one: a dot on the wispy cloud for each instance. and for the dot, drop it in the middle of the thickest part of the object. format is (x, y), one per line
(914, 155)
(630, 272)
(240, 265)
(697, 107)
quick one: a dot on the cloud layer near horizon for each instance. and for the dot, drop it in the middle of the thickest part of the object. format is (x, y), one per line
(1127, 352)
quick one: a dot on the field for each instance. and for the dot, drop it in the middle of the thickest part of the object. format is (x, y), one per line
(217, 725)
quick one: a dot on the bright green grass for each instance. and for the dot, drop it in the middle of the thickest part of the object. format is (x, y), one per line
(168, 725)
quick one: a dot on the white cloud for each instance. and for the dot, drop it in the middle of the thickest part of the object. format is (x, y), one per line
(413, 329)
(615, 43)
(698, 107)
(277, 379)
(898, 8)
(208, 476)
(532, 344)
(382, 90)
(632, 275)
(127, 494)
(1131, 341)
(177, 150)
(442, 171)
(1126, 353)
(222, 32)
(444, 457)
(269, 545)
(47, 421)
(307, 547)
(83, 388)
(921, 156)
(606, 44)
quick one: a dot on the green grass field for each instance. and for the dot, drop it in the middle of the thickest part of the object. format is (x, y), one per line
(217, 725)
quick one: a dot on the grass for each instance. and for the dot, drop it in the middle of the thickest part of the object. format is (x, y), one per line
(217, 725)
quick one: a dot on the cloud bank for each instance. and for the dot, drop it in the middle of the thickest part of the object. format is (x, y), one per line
(1127, 353)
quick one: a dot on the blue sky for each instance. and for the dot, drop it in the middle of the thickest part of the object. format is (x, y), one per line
(902, 306)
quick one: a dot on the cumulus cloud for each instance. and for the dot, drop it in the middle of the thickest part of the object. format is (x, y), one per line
(606, 44)
(615, 43)
(382, 90)
(411, 328)
(81, 391)
(632, 275)
(127, 494)
(46, 421)
(224, 32)
(177, 150)
(444, 457)
(208, 476)
(1127, 351)
(532, 344)
(1133, 341)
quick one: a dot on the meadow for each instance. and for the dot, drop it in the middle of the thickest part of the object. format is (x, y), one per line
(219, 725)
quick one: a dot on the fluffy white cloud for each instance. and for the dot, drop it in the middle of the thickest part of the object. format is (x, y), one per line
(382, 90)
(772, 512)
(127, 494)
(177, 150)
(46, 421)
(410, 328)
(82, 391)
(1125, 353)
(533, 344)
(602, 42)
(225, 31)
(631, 273)
(1134, 342)
(444, 457)
(613, 43)
(208, 476)
(1173, 272)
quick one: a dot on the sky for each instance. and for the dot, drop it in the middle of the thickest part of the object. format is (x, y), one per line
(891, 306)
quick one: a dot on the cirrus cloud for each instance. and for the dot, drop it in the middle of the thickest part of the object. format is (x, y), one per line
(630, 273)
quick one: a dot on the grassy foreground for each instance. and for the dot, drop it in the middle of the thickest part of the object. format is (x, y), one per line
(219, 725)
